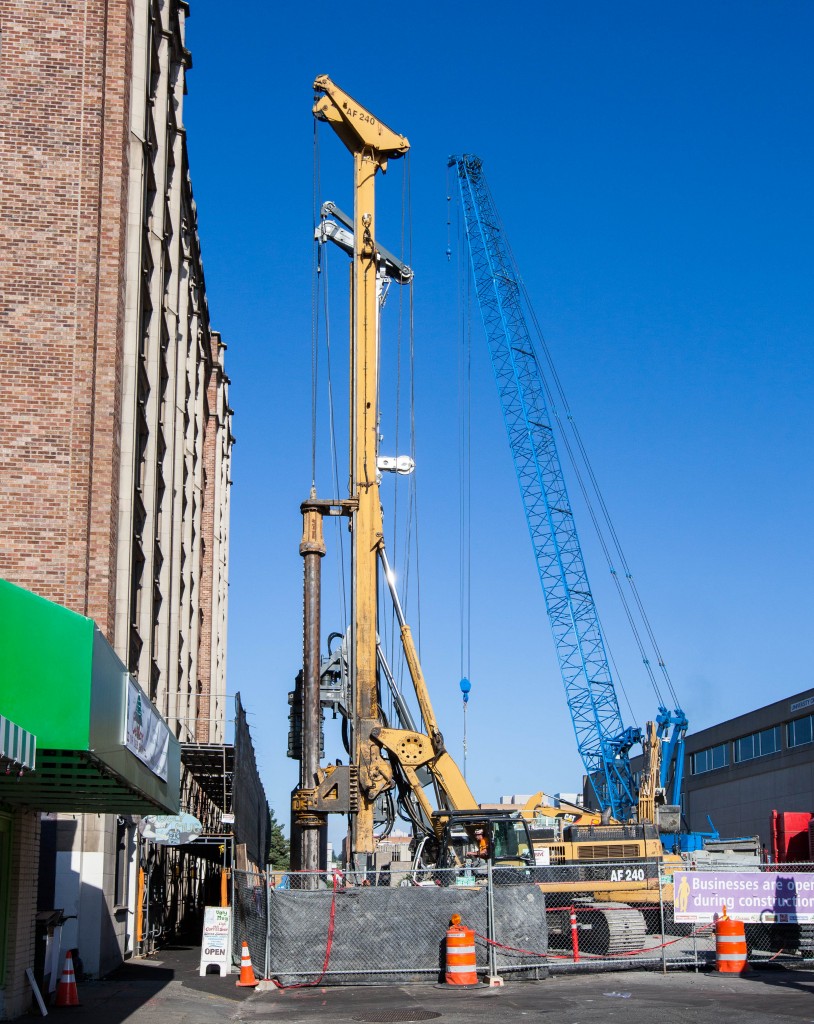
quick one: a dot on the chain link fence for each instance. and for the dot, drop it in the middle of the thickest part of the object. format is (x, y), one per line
(390, 926)
(250, 891)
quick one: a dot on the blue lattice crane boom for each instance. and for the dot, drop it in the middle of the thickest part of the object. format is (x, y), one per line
(602, 738)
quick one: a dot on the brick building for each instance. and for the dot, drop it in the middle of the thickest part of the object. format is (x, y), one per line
(114, 494)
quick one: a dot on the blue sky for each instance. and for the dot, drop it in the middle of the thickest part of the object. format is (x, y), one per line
(652, 164)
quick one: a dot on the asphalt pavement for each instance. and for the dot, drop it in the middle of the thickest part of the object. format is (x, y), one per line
(167, 989)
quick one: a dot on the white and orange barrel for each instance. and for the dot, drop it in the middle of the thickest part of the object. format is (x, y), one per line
(730, 945)
(461, 968)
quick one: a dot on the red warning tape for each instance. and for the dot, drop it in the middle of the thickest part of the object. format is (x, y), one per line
(596, 956)
(329, 943)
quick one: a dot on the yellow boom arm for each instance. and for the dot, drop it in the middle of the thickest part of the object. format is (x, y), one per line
(354, 125)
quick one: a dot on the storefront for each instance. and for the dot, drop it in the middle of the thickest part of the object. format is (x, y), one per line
(101, 749)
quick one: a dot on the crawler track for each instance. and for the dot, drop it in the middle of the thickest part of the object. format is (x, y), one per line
(608, 928)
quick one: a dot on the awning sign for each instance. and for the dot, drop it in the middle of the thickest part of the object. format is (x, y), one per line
(146, 733)
(751, 896)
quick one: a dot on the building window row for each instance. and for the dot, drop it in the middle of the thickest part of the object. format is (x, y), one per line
(800, 731)
(756, 744)
(712, 757)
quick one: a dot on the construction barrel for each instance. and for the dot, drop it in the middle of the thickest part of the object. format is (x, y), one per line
(460, 960)
(730, 945)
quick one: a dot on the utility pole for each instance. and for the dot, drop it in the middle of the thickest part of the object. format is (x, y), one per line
(372, 144)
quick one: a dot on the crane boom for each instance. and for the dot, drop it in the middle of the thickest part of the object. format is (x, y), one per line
(602, 739)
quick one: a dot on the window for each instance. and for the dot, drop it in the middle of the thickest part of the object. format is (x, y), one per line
(800, 731)
(707, 760)
(759, 744)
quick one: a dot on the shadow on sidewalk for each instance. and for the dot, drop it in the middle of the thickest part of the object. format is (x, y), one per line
(782, 977)
(150, 990)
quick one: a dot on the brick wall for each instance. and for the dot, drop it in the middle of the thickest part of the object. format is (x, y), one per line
(63, 164)
(66, 197)
(204, 681)
(15, 996)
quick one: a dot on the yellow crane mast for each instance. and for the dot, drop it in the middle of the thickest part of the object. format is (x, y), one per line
(372, 145)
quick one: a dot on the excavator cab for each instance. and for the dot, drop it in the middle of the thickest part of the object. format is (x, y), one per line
(471, 839)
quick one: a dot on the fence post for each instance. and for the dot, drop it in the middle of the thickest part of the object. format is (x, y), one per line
(147, 947)
(232, 870)
(494, 979)
(269, 887)
(661, 913)
(574, 933)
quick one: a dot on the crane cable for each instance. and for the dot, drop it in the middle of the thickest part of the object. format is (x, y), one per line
(412, 544)
(320, 284)
(403, 532)
(316, 270)
(464, 299)
(394, 651)
(595, 488)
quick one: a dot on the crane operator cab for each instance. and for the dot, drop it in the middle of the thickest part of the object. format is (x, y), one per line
(470, 841)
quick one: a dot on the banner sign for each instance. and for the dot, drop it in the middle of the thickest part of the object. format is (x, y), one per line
(766, 897)
(216, 944)
(146, 733)
(170, 829)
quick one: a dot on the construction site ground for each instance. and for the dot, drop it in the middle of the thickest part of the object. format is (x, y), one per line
(167, 989)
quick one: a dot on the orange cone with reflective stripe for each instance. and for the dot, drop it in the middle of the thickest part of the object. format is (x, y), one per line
(460, 966)
(730, 945)
(247, 978)
(67, 994)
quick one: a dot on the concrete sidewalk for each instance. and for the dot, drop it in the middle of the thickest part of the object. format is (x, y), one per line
(168, 990)
(164, 989)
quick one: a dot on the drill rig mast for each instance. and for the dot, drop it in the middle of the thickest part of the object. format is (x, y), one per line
(382, 757)
(372, 144)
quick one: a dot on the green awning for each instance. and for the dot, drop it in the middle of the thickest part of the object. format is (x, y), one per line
(62, 681)
(18, 747)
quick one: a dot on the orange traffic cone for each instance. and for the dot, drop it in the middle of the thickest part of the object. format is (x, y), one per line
(247, 978)
(67, 994)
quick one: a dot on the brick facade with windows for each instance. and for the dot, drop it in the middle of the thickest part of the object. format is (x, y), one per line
(114, 495)
(64, 124)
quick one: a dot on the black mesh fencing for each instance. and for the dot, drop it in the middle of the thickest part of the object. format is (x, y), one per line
(390, 926)
(250, 918)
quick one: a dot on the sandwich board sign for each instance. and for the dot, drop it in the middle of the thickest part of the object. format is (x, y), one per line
(216, 945)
